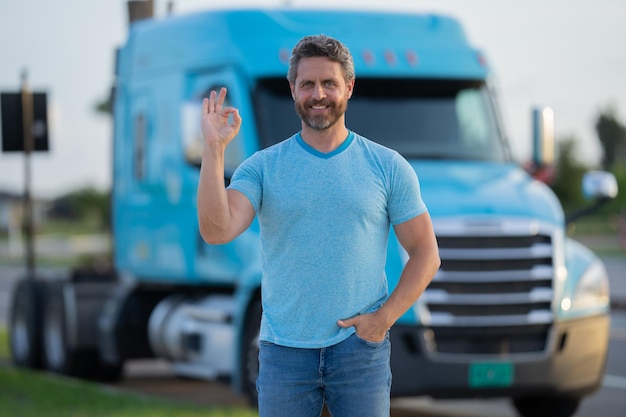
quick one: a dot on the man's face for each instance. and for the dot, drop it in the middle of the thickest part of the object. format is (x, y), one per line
(320, 92)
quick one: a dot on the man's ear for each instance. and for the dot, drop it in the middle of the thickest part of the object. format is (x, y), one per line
(350, 88)
(293, 91)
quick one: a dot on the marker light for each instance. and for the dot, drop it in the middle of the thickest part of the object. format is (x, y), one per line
(368, 57)
(390, 58)
(411, 58)
(482, 60)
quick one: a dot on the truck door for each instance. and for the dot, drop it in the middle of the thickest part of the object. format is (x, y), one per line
(135, 185)
(220, 263)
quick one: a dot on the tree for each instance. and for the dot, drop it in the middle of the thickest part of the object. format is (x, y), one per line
(105, 106)
(569, 175)
(83, 203)
(612, 136)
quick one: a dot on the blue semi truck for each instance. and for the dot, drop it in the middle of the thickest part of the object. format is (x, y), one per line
(517, 309)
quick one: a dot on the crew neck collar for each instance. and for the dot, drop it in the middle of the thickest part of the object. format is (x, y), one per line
(325, 155)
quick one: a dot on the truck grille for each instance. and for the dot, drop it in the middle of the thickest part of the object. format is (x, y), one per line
(492, 294)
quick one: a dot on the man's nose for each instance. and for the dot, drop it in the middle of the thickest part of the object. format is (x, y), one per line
(318, 92)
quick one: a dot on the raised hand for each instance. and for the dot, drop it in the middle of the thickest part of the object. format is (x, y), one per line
(216, 128)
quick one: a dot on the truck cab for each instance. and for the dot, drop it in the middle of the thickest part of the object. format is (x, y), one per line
(496, 319)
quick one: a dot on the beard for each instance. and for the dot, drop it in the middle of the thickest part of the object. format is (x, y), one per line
(321, 121)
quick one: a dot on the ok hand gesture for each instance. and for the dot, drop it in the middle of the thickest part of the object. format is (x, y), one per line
(215, 127)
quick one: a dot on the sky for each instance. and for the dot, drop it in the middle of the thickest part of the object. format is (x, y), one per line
(565, 54)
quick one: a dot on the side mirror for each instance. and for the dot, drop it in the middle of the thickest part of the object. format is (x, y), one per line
(599, 186)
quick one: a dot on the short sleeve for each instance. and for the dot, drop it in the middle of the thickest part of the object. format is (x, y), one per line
(248, 180)
(405, 199)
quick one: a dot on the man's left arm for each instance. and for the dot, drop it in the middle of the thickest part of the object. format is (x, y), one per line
(417, 237)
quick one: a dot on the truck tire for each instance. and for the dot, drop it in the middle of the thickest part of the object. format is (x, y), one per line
(109, 372)
(546, 406)
(25, 324)
(249, 361)
(58, 356)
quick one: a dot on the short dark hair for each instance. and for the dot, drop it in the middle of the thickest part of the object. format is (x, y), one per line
(321, 46)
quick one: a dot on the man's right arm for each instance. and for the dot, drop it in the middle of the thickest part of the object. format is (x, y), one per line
(222, 214)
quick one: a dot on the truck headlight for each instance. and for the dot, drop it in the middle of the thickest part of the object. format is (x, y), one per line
(592, 290)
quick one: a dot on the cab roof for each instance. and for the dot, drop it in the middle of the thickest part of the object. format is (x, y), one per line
(259, 42)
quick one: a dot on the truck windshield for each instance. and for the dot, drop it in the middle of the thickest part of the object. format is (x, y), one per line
(421, 119)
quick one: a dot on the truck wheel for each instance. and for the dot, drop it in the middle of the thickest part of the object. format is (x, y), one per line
(25, 324)
(546, 406)
(58, 357)
(250, 353)
(109, 373)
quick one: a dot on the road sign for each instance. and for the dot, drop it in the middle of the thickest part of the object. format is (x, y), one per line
(12, 122)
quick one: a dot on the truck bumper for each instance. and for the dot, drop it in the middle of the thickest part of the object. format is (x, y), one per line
(572, 363)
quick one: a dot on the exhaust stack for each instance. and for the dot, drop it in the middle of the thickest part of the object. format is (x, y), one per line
(139, 10)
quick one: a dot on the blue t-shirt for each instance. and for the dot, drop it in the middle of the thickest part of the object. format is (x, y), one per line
(324, 222)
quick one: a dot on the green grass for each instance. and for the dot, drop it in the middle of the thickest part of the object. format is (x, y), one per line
(27, 393)
(4, 344)
(88, 225)
(66, 228)
(594, 225)
(34, 394)
(45, 262)
(62, 230)
(601, 234)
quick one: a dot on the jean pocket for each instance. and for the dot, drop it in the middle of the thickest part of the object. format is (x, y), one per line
(370, 343)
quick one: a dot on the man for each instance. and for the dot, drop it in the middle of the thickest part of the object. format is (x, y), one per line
(325, 199)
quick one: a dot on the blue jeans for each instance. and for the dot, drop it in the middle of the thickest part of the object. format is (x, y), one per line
(353, 377)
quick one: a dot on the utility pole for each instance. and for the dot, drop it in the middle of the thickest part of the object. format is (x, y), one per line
(27, 123)
(25, 129)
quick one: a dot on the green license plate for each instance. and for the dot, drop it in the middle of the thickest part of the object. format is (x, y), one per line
(490, 374)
